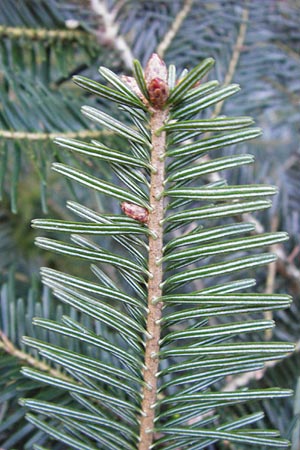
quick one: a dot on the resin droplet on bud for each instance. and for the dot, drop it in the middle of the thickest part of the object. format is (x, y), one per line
(136, 212)
(158, 92)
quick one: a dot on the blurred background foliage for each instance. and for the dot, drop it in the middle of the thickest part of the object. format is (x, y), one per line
(43, 44)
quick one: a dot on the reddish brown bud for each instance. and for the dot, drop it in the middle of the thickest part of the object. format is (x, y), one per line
(136, 212)
(158, 92)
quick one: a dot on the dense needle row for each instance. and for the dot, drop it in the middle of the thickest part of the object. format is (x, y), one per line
(109, 394)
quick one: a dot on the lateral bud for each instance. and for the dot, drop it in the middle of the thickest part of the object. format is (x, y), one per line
(136, 212)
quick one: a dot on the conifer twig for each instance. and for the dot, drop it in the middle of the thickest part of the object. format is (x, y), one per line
(291, 52)
(42, 33)
(293, 97)
(176, 24)
(284, 266)
(157, 90)
(28, 359)
(244, 380)
(9, 348)
(235, 56)
(109, 34)
(40, 136)
(156, 216)
(271, 277)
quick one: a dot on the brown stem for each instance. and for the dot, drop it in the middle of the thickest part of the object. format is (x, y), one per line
(108, 34)
(155, 279)
(82, 134)
(235, 57)
(176, 24)
(271, 278)
(42, 33)
(9, 348)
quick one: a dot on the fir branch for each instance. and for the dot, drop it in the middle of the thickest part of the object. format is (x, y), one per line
(271, 278)
(155, 268)
(42, 34)
(235, 57)
(215, 176)
(24, 135)
(108, 35)
(284, 266)
(18, 275)
(244, 379)
(148, 413)
(292, 97)
(292, 53)
(176, 24)
(9, 348)
(287, 268)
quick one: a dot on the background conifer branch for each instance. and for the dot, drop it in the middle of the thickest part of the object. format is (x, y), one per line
(43, 34)
(237, 49)
(244, 380)
(82, 134)
(176, 24)
(290, 271)
(108, 32)
(39, 75)
(271, 277)
(24, 357)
